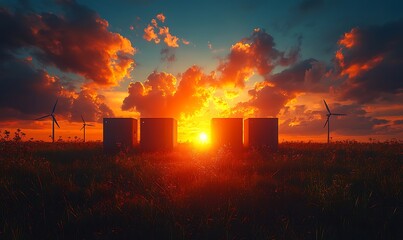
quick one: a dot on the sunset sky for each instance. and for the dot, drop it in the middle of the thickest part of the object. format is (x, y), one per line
(194, 60)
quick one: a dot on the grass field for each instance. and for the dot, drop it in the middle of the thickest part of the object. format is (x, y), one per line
(68, 190)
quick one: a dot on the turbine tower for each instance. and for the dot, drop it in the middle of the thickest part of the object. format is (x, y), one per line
(329, 114)
(52, 115)
(84, 125)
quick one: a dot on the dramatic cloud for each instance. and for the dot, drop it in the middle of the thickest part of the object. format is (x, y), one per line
(254, 54)
(25, 90)
(250, 55)
(154, 32)
(192, 93)
(368, 69)
(370, 63)
(89, 50)
(305, 76)
(269, 97)
(302, 120)
(152, 97)
(265, 101)
(91, 106)
(158, 96)
(27, 93)
(16, 32)
(276, 95)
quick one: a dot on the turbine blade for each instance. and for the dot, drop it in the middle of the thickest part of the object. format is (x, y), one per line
(54, 119)
(339, 114)
(54, 107)
(43, 117)
(327, 121)
(327, 107)
(82, 119)
(82, 127)
(90, 125)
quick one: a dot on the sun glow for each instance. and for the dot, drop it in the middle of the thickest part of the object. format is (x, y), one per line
(203, 138)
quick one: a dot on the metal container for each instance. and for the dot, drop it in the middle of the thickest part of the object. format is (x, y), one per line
(261, 132)
(158, 134)
(119, 134)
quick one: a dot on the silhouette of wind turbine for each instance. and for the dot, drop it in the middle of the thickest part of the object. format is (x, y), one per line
(329, 114)
(52, 115)
(84, 125)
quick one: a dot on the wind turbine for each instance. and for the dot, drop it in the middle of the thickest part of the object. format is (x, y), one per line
(84, 125)
(329, 114)
(52, 115)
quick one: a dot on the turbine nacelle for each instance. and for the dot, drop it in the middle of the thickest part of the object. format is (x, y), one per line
(52, 115)
(84, 125)
(328, 115)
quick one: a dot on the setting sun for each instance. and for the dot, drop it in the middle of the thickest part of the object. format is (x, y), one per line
(203, 138)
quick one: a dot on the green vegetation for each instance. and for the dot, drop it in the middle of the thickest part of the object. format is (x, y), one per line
(71, 190)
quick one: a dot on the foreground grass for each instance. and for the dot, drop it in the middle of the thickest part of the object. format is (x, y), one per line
(304, 191)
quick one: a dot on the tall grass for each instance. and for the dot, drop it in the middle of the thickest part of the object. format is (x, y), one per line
(345, 190)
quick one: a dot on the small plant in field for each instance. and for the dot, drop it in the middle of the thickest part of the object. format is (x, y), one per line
(5, 136)
(18, 135)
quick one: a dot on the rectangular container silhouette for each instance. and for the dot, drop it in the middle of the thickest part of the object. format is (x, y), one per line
(119, 134)
(226, 132)
(261, 132)
(158, 134)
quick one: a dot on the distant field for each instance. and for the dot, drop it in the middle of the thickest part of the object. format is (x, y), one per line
(65, 190)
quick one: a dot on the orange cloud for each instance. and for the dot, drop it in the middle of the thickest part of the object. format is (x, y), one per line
(153, 97)
(349, 39)
(169, 39)
(150, 35)
(186, 42)
(161, 17)
(91, 51)
(369, 63)
(355, 69)
(250, 55)
(154, 33)
(239, 67)
(340, 57)
(356, 65)
(154, 22)
(158, 96)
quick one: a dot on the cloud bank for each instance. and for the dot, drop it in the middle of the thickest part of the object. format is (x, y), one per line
(101, 57)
